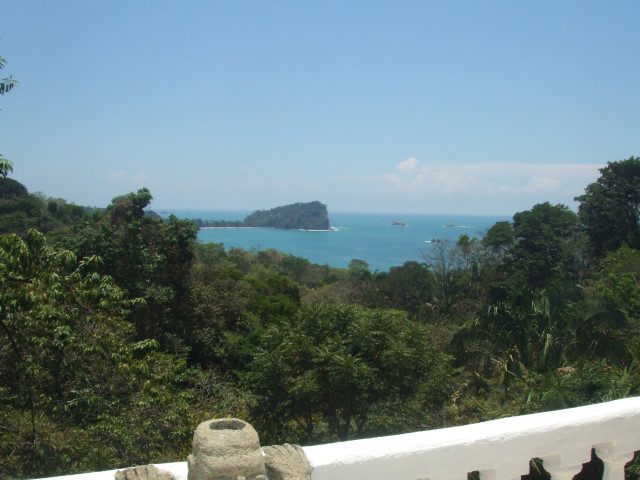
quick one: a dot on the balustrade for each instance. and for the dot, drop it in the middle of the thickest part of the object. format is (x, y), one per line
(497, 450)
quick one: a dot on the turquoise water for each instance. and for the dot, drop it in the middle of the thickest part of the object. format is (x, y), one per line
(367, 236)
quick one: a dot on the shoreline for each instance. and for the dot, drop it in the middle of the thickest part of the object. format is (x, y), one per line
(331, 229)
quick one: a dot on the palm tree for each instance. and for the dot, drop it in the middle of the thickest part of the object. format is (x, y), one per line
(531, 333)
(6, 84)
(5, 167)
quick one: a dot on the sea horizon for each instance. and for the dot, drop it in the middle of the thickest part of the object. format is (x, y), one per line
(355, 212)
(367, 236)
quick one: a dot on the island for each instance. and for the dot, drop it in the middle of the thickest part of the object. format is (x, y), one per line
(296, 216)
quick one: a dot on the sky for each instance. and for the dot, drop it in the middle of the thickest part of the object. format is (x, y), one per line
(468, 107)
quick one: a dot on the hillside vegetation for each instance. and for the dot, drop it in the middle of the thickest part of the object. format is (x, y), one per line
(308, 216)
(305, 216)
(119, 332)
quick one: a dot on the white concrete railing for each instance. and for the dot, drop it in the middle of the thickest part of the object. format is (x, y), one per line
(499, 449)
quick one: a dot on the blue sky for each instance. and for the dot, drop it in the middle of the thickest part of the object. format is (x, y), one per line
(482, 107)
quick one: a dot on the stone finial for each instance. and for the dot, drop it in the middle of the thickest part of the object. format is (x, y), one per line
(286, 462)
(226, 449)
(143, 472)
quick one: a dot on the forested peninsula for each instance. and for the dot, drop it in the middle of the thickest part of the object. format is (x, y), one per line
(119, 332)
(305, 216)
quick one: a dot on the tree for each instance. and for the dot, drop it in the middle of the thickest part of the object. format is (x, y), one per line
(409, 287)
(72, 377)
(457, 273)
(499, 238)
(5, 167)
(148, 257)
(10, 188)
(545, 243)
(6, 85)
(343, 368)
(311, 216)
(617, 281)
(610, 207)
(217, 322)
(358, 269)
(61, 330)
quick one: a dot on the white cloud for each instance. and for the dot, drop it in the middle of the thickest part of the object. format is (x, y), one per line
(415, 176)
(539, 181)
(408, 166)
(543, 184)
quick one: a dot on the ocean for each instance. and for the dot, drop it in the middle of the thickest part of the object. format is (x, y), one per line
(367, 236)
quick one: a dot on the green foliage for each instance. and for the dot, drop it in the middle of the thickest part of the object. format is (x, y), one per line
(610, 207)
(72, 381)
(611, 323)
(276, 296)
(358, 269)
(114, 347)
(157, 416)
(20, 211)
(544, 239)
(458, 270)
(500, 237)
(11, 188)
(6, 85)
(511, 339)
(5, 165)
(617, 282)
(409, 287)
(309, 216)
(150, 258)
(332, 371)
(55, 310)
(217, 323)
(218, 223)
